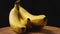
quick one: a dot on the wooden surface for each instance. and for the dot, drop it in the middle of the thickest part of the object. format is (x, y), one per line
(46, 30)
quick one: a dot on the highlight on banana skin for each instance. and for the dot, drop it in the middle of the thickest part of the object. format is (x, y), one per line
(20, 19)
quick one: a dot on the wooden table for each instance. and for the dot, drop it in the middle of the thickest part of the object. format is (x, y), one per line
(46, 30)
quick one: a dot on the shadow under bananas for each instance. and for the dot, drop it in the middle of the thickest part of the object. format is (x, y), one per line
(37, 30)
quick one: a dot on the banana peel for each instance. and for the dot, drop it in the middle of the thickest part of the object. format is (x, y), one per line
(19, 19)
(15, 24)
(37, 20)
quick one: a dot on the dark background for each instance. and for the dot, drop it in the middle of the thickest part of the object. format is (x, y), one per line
(49, 8)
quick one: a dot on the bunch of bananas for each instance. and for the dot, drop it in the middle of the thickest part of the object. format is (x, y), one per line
(20, 19)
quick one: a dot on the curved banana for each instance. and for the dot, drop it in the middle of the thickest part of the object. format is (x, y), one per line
(36, 20)
(19, 19)
(17, 24)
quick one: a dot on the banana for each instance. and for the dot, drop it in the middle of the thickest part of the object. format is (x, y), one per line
(36, 20)
(20, 19)
(17, 24)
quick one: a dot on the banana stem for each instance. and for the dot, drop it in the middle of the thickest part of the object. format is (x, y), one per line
(17, 2)
(17, 5)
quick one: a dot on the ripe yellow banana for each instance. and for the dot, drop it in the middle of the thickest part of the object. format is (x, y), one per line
(36, 20)
(17, 24)
(20, 18)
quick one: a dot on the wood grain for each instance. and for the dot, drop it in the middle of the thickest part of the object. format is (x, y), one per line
(45, 30)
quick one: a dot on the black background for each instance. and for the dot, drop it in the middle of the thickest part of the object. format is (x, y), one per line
(49, 8)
